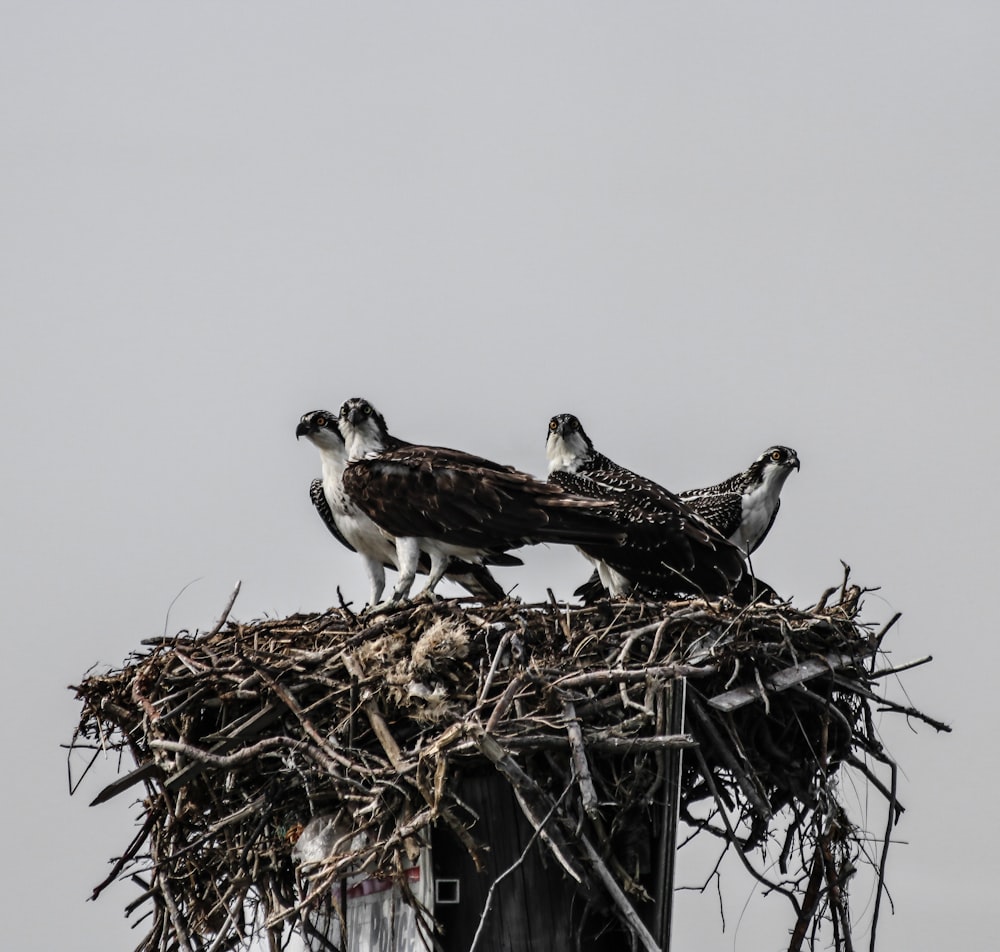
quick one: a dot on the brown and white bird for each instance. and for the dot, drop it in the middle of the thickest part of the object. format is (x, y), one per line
(743, 507)
(448, 504)
(353, 529)
(669, 549)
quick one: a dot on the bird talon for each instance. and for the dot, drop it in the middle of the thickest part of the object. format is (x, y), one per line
(386, 607)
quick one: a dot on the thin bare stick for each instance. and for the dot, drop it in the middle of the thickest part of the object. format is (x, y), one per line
(385, 737)
(885, 672)
(225, 761)
(534, 803)
(624, 908)
(710, 782)
(809, 901)
(633, 675)
(180, 928)
(721, 748)
(504, 703)
(884, 857)
(621, 745)
(588, 794)
(225, 613)
(488, 683)
(885, 629)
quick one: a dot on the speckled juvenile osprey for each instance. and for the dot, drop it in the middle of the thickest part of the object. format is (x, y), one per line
(356, 531)
(450, 504)
(668, 550)
(743, 507)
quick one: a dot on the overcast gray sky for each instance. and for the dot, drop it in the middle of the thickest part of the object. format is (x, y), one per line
(703, 228)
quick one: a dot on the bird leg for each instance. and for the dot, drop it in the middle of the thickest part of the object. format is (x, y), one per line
(407, 560)
(439, 565)
(617, 585)
(376, 578)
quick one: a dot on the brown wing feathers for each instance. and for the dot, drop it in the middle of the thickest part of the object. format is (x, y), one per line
(466, 500)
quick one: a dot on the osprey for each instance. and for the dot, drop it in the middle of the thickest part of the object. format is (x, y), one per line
(357, 532)
(669, 549)
(744, 506)
(447, 503)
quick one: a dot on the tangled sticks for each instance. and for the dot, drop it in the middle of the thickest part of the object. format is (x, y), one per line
(242, 736)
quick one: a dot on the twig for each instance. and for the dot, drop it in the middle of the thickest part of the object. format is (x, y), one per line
(147, 771)
(939, 726)
(707, 776)
(634, 675)
(624, 908)
(504, 703)
(621, 745)
(884, 857)
(835, 891)
(886, 792)
(224, 615)
(488, 683)
(535, 803)
(180, 928)
(123, 860)
(225, 761)
(385, 737)
(581, 767)
(884, 672)
(722, 750)
(885, 630)
(810, 900)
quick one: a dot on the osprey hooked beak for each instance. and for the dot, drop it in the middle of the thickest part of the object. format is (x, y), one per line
(562, 424)
(356, 411)
(314, 421)
(783, 456)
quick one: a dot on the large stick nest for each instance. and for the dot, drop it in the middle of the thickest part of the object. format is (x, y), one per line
(243, 735)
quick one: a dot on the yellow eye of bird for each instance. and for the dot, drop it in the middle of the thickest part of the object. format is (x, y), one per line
(552, 424)
(776, 455)
(320, 421)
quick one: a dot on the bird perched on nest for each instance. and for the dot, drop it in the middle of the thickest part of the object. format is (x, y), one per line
(743, 507)
(355, 530)
(450, 504)
(669, 549)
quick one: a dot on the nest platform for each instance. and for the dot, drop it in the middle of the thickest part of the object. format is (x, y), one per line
(275, 759)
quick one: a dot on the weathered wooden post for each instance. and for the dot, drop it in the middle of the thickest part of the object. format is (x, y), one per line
(673, 697)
